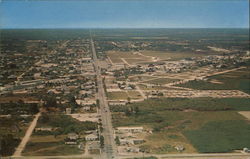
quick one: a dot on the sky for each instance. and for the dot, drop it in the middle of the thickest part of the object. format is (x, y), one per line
(124, 14)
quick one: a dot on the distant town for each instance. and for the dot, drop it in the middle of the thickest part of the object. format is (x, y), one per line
(125, 93)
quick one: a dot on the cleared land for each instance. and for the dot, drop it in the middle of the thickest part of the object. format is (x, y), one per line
(235, 80)
(245, 114)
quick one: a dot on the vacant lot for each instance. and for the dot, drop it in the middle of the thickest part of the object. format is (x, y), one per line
(134, 94)
(117, 95)
(235, 80)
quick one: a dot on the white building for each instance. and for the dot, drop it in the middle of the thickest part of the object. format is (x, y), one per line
(130, 129)
(91, 137)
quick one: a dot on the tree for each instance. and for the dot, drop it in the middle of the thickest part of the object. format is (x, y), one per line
(102, 141)
(117, 141)
(50, 102)
(136, 109)
(34, 109)
(8, 144)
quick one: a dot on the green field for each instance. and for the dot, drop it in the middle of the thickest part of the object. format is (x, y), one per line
(176, 121)
(50, 149)
(235, 80)
(220, 136)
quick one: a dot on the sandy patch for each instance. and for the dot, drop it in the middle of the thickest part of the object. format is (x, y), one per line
(246, 114)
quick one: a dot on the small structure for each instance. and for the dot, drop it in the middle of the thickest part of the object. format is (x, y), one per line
(179, 148)
(133, 149)
(86, 108)
(71, 139)
(91, 137)
(44, 129)
(73, 136)
(68, 111)
(130, 129)
(246, 150)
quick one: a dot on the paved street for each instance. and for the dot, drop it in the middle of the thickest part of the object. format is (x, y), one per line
(109, 150)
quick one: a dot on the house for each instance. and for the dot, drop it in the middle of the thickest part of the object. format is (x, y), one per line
(44, 129)
(129, 129)
(85, 102)
(126, 142)
(138, 141)
(246, 150)
(91, 137)
(179, 148)
(133, 149)
(71, 139)
(86, 108)
(73, 136)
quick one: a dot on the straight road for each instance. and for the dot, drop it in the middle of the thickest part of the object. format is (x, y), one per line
(109, 144)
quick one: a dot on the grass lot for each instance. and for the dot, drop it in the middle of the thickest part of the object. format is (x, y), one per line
(178, 125)
(134, 94)
(117, 96)
(235, 80)
(161, 81)
(220, 136)
(50, 148)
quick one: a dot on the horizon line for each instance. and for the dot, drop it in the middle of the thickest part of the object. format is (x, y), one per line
(129, 28)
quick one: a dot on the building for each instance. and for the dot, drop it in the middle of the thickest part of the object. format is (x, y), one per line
(130, 129)
(73, 136)
(71, 139)
(91, 137)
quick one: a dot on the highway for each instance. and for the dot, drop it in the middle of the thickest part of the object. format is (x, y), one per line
(109, 150)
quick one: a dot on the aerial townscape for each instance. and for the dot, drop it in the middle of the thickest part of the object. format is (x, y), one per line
(109, 94)
(127, 79)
